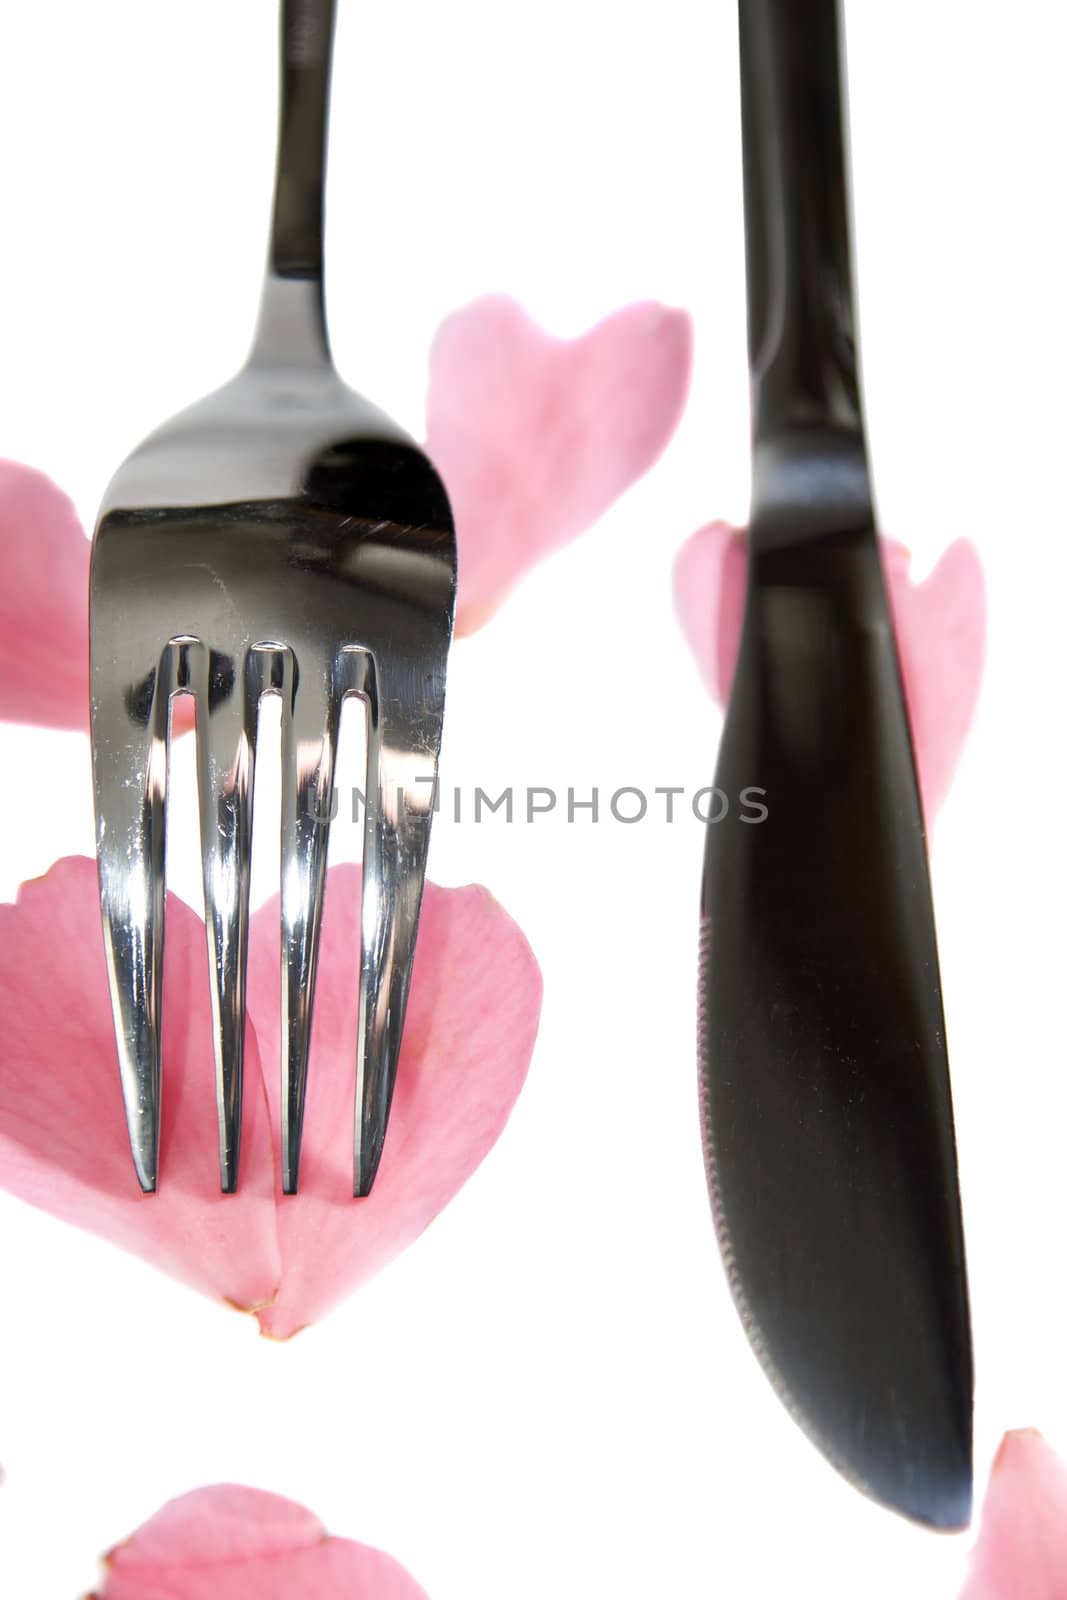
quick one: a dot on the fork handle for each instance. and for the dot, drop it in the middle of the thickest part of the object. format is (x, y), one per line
(291, 332)
(306, 49)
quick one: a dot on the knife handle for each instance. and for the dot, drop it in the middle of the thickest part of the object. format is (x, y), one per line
(802, 346)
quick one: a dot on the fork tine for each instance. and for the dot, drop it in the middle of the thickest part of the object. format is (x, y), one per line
(309, 741)
(401, 772)
(130, 733)
(227, 704)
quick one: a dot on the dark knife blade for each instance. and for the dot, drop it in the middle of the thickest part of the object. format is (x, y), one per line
(826, 1103)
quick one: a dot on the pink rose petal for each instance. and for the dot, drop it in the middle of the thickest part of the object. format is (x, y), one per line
(471, 1025)
(469, 1033)
(221, 1523)
(940, 627)
(535, 437)
(230, 1543)
(709, 596)
(63, 1144)
(1021, 1549)
(44, 605)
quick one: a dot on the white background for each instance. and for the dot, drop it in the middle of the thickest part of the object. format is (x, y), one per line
(549, 1393)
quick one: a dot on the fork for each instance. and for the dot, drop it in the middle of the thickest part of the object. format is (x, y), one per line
(280, 537)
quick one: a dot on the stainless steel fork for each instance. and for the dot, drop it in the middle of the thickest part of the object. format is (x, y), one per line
(282, 536)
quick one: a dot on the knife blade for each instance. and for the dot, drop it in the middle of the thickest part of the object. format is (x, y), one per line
(825, 1096)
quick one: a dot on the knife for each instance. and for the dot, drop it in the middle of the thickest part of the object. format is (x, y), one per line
(825, 1097)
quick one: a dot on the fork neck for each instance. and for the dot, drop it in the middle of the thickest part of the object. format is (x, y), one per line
(292, 319)
(807, 417)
